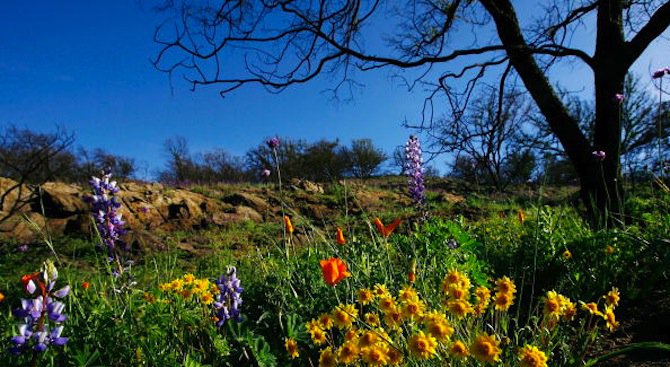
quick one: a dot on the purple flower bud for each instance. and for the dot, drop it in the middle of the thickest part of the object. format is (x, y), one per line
(619, 97)
(599, 155)
(273, 143)
(31, 287)
(62, 292)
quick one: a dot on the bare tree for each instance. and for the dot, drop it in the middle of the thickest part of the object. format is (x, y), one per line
(281, 43)
(364, 158)
(30, 159)
(486, 137)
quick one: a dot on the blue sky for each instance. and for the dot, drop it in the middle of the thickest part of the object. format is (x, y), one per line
(85, 65)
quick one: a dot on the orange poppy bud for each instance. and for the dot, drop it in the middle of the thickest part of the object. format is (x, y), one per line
(340, 237)
(521, 216)
(334, 270)
(288, 225)
(411, 275)
(85, 285)
(2, 297)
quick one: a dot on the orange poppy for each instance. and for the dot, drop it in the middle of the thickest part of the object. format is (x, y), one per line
(386, 231)
(334, 270)
(340, 237)
(288, 225)
(85, 285)
(521, 215)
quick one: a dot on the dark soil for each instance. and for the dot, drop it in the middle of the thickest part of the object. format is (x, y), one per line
(645, 320)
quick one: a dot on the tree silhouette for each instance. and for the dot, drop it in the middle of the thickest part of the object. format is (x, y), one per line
(280, 43)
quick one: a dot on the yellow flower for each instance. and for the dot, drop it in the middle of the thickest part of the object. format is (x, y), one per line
(503, 301)
(325, 321)
(610, 318)
(505, 285)
(408, 294)
(458, 292)
(552, 305)
(189, 278)
(455, 277)
(569, 311)
(413, 310)
(567, 255)
(386, 304)
(381, 290)
(441, 330)
(422, 346)
(369, 338)
(371, 318)
(365, 296)
(591, 307)
(201, 286)
(344, 315)
(351, 335)
(612, 297)
(483, 297)
(147, 297)
(609, 250)
(291, 347)
(165, 287)
(375, 355)
(459, 349)
(318, 336)
(207, 298)
(177, 285)
(460, 308)
(327, 358)
(348, 353)
(531, 356)
(312, 324)
(393, 318)
(394, 357)
(486, 348)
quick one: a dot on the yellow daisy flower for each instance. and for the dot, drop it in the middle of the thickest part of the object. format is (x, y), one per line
(189, 278)
(380, 290)
(459, 350)
(503, 301)
(325, 321)
(344, 315)
(318, 336)
(386, 304)
(610, 318)
(375, 355)
(505, 285)
(291, 347)
(612, 297)
(422, 346)
(460, 308)
(395, 357)
(531, 356)
(365, 296)
(413, 309)
(371, 318)
(327, 358)
(486, 348)
(348, 353)
(407, 293)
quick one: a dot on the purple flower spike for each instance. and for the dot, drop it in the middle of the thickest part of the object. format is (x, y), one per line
(273, 143)
(227, 303)
(599, 155)
(619, 97)
(42, 317)
(104, 206)
(413, 169)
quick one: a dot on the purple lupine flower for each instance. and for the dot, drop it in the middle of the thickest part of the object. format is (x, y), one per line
(413, 169)
(273, 143)
(23, 248)
(104, 206)
(599, 155)
(619, 97)
(42, 317)
(227, 303)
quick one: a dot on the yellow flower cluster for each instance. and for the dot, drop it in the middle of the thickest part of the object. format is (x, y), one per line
(611, 301)
(385, 329)
(191, 288)
(557, 306)
(505, 294)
